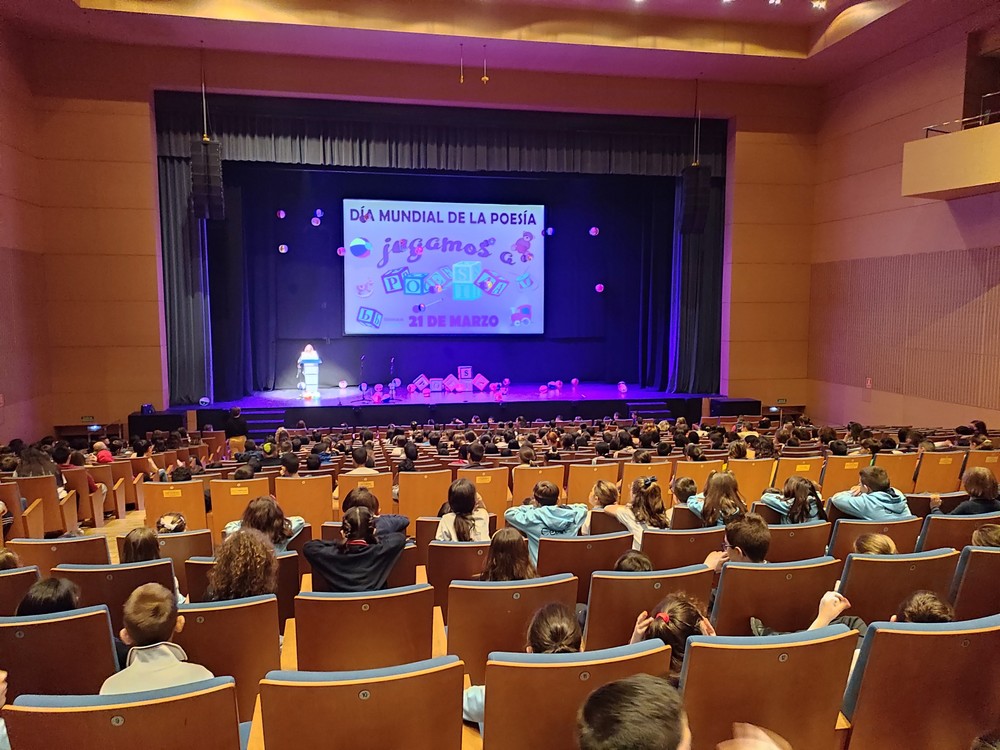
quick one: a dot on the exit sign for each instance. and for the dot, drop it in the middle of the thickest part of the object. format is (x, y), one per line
(86, 419)
(782, 400)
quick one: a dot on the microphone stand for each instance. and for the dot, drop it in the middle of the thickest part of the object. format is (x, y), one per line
(392, 376)
(364, 398)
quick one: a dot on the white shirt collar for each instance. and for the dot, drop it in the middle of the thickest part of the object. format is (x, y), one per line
(156, 652)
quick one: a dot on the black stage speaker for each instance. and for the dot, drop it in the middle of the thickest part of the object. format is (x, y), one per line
(697, 186)
(206, 180)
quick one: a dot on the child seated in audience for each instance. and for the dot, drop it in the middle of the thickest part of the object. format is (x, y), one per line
(361, 560)
(171, 523)
(875, 544)
(633, 562)
(9, 560)
(987, 535)
(154, 663)
(721, 501)
(542, 515)
(49, 596)
(873, 499)
(683, 489)
(389, 523)
(141, 545)
(553, 630)
(641, 712)
(245, 565)
(984, 497)
(798, 502)
(646, 510)
(673, 621)
(265, 515)
(508, 559)
(604, 495)
(924, 606)
(748, 539)
(467, 519)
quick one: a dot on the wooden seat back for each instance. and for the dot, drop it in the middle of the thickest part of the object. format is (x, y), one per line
(488, 616)
(111, 585)
(48, 553)
(60, 514)
(370, 622)
(14, 584)
(67, 653)
(453, 561)
(763, 677)
(422, 493)
(492, 486)
(179, 547)
(798, 541)
(583, 477)
(810, 467)
(616, 598)
(416, 706)
(671, 549)
(752, 475)
(951, 531)
(230, 498)
(186, 498)
(308, 497)
(525, 478)
(565, 680)
(581, 556)
(238, 638)
(841, 472)
(974, 591)
(939, 472)
(877, 584)
(784, 596)
(901, 468)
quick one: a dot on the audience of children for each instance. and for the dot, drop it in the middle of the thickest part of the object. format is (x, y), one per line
(265, 515)
(602, 496)
(359, 561)
(465, 518)
(646, 510)
(721, 501)
(873, 498)
(542, 515)
(798, 502)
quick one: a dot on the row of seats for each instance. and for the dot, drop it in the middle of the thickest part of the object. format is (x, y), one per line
(792, 684)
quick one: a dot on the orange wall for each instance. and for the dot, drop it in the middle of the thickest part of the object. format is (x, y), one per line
(24, 370)
(96, 188)
(905, 291)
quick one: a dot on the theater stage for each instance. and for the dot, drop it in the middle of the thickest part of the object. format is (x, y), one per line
(265, 411)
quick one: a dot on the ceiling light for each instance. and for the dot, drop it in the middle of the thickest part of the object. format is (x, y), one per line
(726, 2)
(774, 2)
(819, 4)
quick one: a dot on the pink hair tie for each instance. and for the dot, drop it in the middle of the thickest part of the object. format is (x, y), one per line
(663, 616)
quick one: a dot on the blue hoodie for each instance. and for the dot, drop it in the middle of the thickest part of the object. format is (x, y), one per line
(778, 502)
(546, 520)
(883, 505)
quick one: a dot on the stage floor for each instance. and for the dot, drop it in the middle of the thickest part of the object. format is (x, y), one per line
(351, 397)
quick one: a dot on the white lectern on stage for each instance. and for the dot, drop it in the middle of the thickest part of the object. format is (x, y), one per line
(309, 363)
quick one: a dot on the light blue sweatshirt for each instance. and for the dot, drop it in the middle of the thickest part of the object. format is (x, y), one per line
(884, 505)
(778, 502)
(546, 520)
(296, 522)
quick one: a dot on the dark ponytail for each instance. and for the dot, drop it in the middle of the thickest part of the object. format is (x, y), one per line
(802, 492)
(358, 524)
(555, 629)
(676, 619)
(462, 500)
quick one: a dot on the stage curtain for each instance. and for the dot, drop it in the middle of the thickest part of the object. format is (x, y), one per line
(694, 321)
(185, 279)
(358, 134)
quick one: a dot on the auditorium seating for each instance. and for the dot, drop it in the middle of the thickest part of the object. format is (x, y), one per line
(876, 584)
(238, 638)
(682, 518)
(604, 523)
(90, 506)
(229, 500)
(14, 584)
(115, 500)
(492, 486)
(48, 553)
(179, 547)
(58, 514)
(974, 591)
(671, 549)
(583, 477)
(938, 682)
(494, 616)
(752, 475)
(379, 484)
(784, 596)
(798, 541)
(453, 561)
(797, 466)
(791, 684)
(565, 681)
(617, 598)
(65, 653)
(415, 705)
(901, 467)
(985, 459)
(840, 473)
(10, 495)
(339, 632)
(581, 556)
(112, 585)
(920, 504)
(904, 533)
(939, 472)
(186, 498)
(631, 471)
(198, 715)
(951, 531)
(699, 471)
(421, 493)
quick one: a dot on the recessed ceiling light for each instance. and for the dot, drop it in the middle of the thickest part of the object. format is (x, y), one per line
(726, 2)
(819, 4)
(774, 2)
